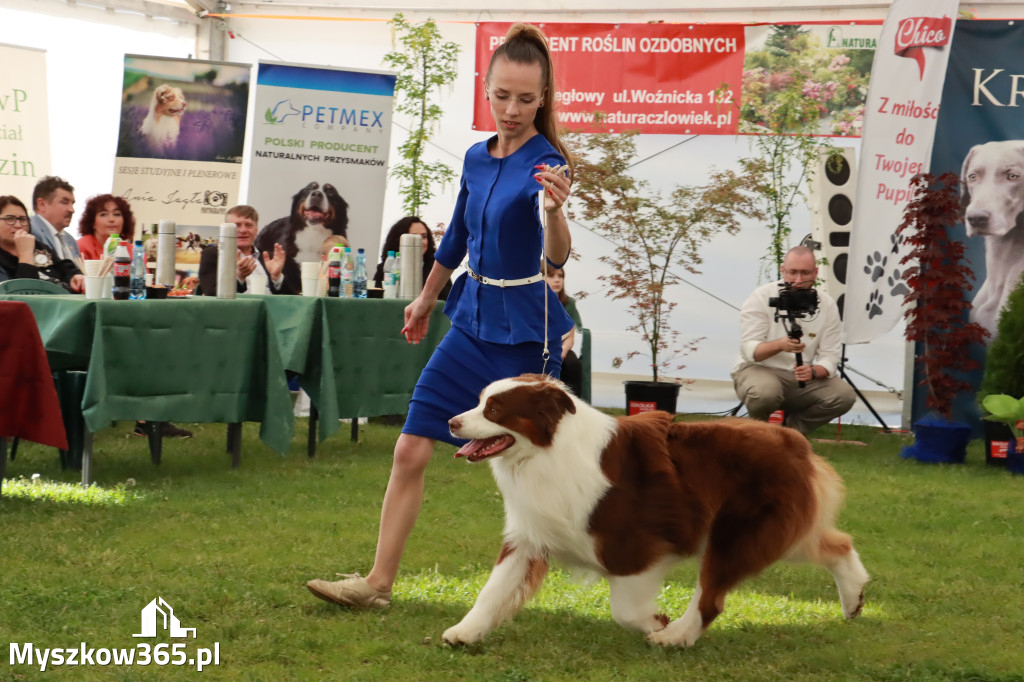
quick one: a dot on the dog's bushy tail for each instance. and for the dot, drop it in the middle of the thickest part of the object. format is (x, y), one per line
(823, 544)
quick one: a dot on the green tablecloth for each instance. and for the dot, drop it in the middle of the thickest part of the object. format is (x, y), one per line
(191, 360)
(351, 356)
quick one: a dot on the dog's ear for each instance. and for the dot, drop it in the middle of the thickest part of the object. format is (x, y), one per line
(965, 193)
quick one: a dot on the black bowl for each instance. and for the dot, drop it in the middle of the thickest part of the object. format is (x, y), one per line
(156, 293)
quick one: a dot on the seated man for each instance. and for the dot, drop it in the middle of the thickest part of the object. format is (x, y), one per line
(248, 259)
(766, 375)
(22, 256)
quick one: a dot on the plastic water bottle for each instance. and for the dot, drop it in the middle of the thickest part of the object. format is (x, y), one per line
(334, 272)
(138, 280)
(122, 272)
(390, 283)
(359, 278)
(348, 271)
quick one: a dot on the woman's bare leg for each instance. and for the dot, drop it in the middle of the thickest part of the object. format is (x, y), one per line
(402, 502)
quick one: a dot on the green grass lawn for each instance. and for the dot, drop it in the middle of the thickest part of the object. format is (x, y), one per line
(230, 551)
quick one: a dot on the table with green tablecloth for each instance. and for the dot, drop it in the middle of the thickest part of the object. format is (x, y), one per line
(350, 354)
(189, 360)
(223, 360)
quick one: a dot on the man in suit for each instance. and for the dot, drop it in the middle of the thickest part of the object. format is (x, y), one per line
(53, 201)
(248, 258)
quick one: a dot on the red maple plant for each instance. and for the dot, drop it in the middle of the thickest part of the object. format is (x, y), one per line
(938, 282)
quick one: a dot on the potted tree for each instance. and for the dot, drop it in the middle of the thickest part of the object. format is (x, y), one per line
(1004, 374)
(654, 237)
(938, 280)
(425, 63)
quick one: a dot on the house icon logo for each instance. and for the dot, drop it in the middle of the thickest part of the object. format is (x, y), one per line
(160, 612)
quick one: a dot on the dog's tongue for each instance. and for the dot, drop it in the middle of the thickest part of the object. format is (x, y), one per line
(478, 449)
(311, 213)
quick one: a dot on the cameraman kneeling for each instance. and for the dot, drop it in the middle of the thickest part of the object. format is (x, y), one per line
(767, 377)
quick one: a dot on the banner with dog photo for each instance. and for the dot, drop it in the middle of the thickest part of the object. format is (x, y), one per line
(979, 135)
(319, 160)
(179, 148)
(24, 120)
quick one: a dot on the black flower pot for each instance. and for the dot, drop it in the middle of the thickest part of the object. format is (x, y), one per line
(998, 438)
(646, 396)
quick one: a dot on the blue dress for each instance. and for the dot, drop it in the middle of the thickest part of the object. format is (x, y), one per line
(496, 332)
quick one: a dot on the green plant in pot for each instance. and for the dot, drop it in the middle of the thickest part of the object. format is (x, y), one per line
(655, 237)
(938, 280)
(1004, 374)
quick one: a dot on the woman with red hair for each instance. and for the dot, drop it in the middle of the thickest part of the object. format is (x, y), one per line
(104, 215)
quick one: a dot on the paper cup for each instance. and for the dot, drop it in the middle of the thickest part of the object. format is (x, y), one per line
(256, 284)
(310, 286)
(94, 287)
(321, 287)
(310, 269)
(91, 268)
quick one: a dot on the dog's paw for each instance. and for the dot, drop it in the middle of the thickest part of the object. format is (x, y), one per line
(670, 637)
(853, 610)
(460, 634)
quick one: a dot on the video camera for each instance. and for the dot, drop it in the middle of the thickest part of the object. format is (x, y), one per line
(791, 305)
(794, 303)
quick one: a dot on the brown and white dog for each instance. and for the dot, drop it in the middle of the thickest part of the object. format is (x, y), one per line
(992, 198)
(630, 497)
(163, 120)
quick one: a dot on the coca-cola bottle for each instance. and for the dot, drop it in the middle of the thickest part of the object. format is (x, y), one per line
(334, 272)
(122, 272)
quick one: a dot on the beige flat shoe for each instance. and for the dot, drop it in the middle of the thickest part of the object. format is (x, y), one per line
(353, 592)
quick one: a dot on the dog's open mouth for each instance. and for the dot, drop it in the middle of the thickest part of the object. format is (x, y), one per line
(312, 215)
(482, 448)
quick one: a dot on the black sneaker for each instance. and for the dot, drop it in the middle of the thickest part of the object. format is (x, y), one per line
(140, 429)
(169, 430)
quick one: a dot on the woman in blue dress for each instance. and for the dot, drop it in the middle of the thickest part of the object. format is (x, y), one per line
(497, 307)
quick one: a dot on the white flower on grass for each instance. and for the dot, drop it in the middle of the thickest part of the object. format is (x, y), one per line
(35, 479)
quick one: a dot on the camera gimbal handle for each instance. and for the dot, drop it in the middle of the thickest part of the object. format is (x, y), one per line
(796, 333)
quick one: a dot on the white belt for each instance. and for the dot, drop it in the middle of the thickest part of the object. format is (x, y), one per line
(504, 282)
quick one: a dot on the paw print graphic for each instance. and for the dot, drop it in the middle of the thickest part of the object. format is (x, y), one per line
(897, 242)
(896, 285)
(875, 266)
(874, 306)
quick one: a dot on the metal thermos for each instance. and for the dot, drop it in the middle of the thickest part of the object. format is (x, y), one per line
(227, 261)
(166, 246)
(410, 281)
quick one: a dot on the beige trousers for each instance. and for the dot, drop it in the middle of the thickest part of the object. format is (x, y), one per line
(766, 389)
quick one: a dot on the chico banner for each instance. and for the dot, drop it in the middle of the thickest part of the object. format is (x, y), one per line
(655, 78)
(320, 157)
(24, 121)
(979, 136)
(179, 148)
(899, 126)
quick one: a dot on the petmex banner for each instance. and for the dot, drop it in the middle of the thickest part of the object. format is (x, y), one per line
(320, 157)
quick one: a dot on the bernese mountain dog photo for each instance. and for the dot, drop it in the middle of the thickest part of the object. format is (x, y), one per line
(317, 212)
(628, 498)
